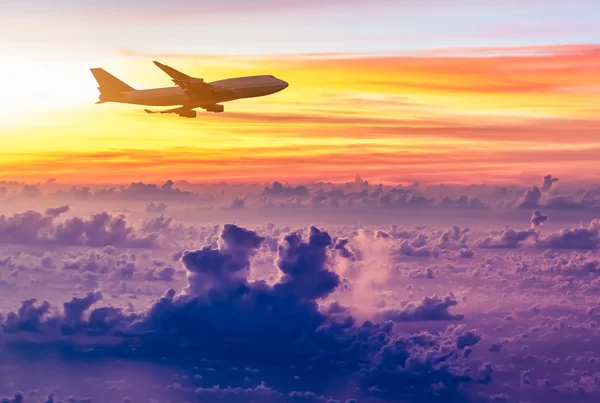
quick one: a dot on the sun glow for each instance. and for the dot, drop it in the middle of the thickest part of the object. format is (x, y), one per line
(383, 116)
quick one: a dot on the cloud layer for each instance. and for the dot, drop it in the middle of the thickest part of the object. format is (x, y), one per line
(372, 312)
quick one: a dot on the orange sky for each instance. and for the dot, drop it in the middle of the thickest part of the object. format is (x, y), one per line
(453, 116)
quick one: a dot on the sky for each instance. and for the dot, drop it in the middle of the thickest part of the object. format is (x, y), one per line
(396, 91)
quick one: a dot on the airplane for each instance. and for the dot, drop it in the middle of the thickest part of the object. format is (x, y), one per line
(189, 94)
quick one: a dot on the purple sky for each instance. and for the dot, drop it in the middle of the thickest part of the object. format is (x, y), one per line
(230, 26)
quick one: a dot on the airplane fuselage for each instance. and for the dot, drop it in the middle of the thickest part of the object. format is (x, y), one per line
(235, 88)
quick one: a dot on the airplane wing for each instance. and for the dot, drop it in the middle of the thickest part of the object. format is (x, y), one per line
(191, 85)
(174, 110)
(183, 111)
(187, 111)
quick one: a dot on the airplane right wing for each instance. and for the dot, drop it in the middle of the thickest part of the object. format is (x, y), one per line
(191, 85)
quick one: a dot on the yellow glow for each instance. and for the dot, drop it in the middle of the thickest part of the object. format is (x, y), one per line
(443, 119)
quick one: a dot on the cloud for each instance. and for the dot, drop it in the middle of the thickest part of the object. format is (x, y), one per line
(468, 338)
(464, 202)
(17, 397)
(341, 247)
(548, 182)
(33, 228)
(237, 204)
(164, 274)
(531, 198)
(73, 310)
(535, 198)
(585, 237)
(101, 230)
(149, 191)
(152, 207)
(304, 266)
(27, 319)
(365, 199)
(301, 308)
(134, 191)
(222, 269)
(222, 313)
(31, 192)
(466, 253)
(566, 202)
(429, 308)
(506, 239)
(279, 190)
(260, 392)
(427, 273)
(55, 212)
(411, 250)
(537, 218)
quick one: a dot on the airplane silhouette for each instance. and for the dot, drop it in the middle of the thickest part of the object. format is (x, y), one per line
(190, 92)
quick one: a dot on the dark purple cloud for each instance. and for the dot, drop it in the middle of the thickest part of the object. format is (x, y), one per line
(304, 264)
(548, 182)
(468, 338)
(537, 218)
(237, 204)
(28, 318)
(429, 308)
(17, 397)
(341, 247)
(225, 268)
(73, 310)
(466, 253)
(224, 315)
(164, 274)
(55, 212)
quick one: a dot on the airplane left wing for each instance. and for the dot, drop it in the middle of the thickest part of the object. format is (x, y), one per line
(174, 110)
(183, 111)
(187, 111)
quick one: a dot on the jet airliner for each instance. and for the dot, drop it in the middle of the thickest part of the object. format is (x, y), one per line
(189, 94)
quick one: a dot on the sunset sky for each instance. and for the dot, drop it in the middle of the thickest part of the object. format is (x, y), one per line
(397, 91)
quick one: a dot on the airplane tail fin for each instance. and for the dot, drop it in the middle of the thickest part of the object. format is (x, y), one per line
(109, 84)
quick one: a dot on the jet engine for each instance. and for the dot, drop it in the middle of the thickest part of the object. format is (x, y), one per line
(188, 114)
(216, 108)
